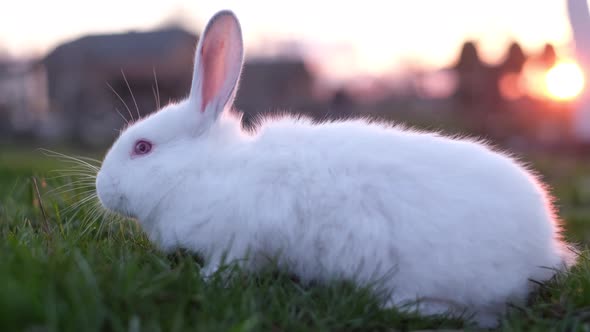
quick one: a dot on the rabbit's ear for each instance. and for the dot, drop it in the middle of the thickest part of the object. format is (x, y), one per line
(218, 63)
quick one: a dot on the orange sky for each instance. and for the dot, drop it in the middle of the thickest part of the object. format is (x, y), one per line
(347, 39)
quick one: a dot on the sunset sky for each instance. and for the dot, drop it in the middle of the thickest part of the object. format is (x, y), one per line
(343, 36)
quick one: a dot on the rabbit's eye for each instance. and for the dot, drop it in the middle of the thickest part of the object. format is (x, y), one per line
(142, 147)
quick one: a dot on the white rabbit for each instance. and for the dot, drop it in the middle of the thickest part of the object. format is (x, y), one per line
(447, 224)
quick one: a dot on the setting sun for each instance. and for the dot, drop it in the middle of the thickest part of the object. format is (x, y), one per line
(564, 81)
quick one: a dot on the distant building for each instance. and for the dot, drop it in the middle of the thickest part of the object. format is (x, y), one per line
(271, 85)
(84, 106)
(78, 73)
(23, 97)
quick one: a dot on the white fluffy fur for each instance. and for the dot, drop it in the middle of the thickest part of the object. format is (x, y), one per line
(444, 221)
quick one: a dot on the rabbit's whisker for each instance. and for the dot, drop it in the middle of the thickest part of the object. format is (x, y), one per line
(123, 102)
(157, 90)
(132, 96)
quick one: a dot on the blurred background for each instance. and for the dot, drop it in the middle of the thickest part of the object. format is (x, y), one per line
(514, 72)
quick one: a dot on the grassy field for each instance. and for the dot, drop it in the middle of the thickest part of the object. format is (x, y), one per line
(68, 269)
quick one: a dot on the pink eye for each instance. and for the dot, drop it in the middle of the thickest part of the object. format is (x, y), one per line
(142, 147)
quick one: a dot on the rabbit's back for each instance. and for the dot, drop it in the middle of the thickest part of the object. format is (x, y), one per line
(449, 218)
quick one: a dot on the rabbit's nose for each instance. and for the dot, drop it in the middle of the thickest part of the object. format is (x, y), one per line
(115, 180)
(106, 188)
(104, 178)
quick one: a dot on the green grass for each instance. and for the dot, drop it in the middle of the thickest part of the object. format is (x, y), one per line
(62, 272)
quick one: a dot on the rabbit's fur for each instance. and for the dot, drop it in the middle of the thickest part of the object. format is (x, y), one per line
(445, 223)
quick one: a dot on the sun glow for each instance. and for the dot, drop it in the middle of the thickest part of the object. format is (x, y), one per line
(564, 81)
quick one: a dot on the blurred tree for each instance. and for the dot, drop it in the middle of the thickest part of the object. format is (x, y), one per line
(514, 60)
(471, 72)
(469, 57)
(548, 56)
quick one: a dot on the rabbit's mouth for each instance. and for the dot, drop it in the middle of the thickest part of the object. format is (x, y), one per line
(116, 203)
(122, 207)
(110, 197)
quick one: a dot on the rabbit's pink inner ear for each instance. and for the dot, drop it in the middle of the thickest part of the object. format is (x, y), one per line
(213, 71)
(214, 57)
